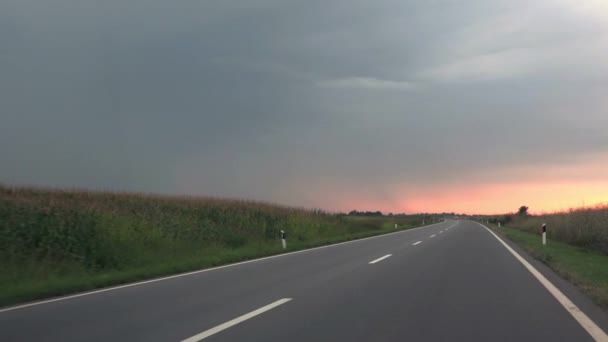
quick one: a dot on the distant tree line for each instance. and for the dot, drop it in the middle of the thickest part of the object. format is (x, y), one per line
(421, 215)
(365, 213)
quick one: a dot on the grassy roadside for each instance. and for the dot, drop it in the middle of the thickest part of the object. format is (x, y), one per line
(587, 269)
(66, 281)
(56, 242)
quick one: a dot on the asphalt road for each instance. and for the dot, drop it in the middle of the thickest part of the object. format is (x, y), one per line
(452, 281)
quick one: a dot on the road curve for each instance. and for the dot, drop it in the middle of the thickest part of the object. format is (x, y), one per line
(452, 281)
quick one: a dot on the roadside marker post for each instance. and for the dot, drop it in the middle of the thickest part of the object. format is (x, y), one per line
(395, 226)
(499, 224)
(283, 239)
(544, 230)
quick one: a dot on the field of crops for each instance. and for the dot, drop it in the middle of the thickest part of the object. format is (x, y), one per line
(60, 241)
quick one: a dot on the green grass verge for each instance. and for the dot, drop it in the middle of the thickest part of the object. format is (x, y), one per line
(587, 269)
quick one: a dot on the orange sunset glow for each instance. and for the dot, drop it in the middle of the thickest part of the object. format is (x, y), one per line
(544, 188)
(501, 198)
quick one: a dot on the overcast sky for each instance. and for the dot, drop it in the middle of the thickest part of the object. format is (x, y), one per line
(476, 106)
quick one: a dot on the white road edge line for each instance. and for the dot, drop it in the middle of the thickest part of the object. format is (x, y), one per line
(82, 294)
(380, 259)
(595, 331)
(441, 232)
(416, 243)
(432, 236)
(235, 321)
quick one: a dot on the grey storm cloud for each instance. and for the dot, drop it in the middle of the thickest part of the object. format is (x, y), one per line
(287, 100)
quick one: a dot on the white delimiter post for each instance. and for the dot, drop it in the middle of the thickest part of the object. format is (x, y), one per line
(544, 234)
(498, 224)
(395, 226)
(283, 239)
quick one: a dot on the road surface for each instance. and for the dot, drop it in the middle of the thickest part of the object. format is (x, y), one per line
(452, 281)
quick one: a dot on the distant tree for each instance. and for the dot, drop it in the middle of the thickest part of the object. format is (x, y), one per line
(523, 211)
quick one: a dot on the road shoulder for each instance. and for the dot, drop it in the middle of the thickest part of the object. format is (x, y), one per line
(592, 310)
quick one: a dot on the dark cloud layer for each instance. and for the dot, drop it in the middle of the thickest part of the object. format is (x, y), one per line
(290, 101)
